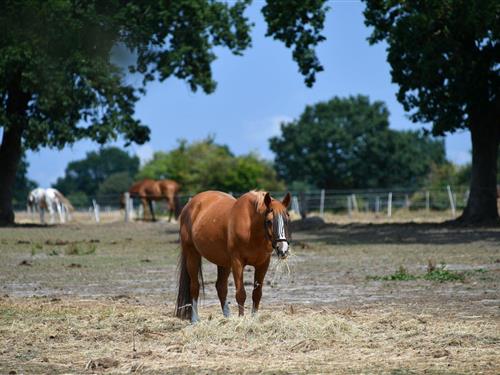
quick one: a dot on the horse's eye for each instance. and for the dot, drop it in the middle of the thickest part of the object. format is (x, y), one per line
(269, 222)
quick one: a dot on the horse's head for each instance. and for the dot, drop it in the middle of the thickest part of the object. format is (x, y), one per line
(276, 224)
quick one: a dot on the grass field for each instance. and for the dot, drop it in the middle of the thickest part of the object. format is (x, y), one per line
(379, 297)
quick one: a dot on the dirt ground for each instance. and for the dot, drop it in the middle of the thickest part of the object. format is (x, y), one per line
(88, 298)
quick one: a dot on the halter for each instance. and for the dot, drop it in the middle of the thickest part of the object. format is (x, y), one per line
(280, 232)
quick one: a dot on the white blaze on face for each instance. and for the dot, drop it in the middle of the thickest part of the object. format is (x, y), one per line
(281, 228)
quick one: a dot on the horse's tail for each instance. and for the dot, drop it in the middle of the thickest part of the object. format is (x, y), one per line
(183, 307)
(65, 201)
(178, 208)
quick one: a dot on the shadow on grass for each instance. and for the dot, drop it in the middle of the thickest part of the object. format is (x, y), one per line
(399, 233)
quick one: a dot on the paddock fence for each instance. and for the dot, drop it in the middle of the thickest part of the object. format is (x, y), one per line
(448, 200)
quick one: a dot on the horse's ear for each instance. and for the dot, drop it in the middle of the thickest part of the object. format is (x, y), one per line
(286, 200)
(267, 200)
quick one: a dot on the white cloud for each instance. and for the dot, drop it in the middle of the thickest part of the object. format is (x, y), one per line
(145, 153)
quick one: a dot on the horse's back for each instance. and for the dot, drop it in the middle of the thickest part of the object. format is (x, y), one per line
(147, 187)
(204, 222)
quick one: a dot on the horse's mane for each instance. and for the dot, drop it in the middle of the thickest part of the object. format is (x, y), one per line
(258, 199)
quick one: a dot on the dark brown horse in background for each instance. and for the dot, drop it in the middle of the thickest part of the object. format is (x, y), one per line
(149, 190)
(232, 233)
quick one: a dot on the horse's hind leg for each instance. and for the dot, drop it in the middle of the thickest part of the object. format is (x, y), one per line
(193, 264)
(144, 202)
(42, 215)
(150, 202)
(221, 285)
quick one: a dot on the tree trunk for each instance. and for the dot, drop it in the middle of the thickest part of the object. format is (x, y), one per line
(11, 150)
(482, 204)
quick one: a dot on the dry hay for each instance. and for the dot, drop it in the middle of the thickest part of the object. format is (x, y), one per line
(50, 336)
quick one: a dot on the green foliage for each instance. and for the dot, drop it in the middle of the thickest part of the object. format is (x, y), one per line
(298, 24)
(111, 188)
(444, 57)
(60, 55)
(85, 176)
(78, 198)
(442, 175)
(347, 143)
(23, 184)
(206, 165)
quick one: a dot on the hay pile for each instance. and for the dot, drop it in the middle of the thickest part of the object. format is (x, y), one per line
(50, 336)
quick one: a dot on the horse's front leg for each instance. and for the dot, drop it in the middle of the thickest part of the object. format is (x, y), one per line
(260, 273)
(237, 268)
(169, 209)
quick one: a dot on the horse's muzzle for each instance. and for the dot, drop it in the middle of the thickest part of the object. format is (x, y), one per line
(282, 249)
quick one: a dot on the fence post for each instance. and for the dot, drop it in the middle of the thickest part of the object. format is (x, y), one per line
(389, 205)
(452, 202)
(377, 204)
(354, 203)
(407, 201)
(127, 207)
(427, 201)
(96, 210)
(349, 206)
(322, 203)
(295, 205)
(303, 205)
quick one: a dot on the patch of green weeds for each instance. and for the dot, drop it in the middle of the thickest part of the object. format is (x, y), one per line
(441, 274)
(35, 247)
(437, 274)
(401, 274)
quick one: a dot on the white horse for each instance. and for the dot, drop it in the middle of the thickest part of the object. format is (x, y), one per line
(52, 200)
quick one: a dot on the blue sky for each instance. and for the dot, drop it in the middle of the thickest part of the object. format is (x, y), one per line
(258, 91)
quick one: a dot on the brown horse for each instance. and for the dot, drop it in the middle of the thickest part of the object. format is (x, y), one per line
(232, 233)
(149, 190)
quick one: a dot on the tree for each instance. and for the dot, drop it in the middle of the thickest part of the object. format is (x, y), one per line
(23, 184)
(60, 80)
(206, 165)
(445, 56)
(86, 175)
(347, 143)
(298, 24)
